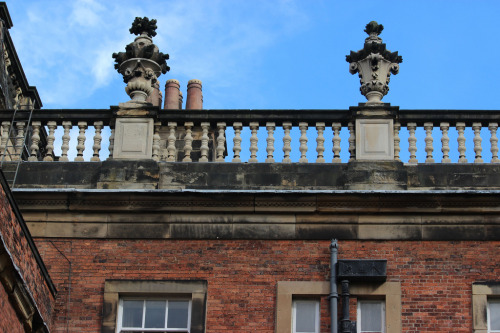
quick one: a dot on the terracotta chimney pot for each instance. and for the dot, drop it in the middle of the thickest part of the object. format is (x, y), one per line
(155, 97)
(181, 100)
(172, 91)
(194, 95)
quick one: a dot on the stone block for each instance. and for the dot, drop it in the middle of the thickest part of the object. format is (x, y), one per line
(374, 139)
(133, 138)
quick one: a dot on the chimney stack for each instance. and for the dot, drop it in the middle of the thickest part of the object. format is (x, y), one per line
(181, 100)
(172, 95)
(155, 97)
(194, 95)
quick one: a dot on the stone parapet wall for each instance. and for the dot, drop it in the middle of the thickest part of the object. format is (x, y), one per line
(143, 174)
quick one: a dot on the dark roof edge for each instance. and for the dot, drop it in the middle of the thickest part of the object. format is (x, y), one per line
(4, 15)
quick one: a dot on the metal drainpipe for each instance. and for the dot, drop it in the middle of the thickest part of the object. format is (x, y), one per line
(333, 286)
(345, 322)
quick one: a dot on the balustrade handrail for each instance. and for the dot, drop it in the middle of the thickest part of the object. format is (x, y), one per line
(44, 115)
(267, 115)
(447, 115)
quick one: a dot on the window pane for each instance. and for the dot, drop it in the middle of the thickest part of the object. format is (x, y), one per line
(494, 315)
(155, 314)
(305, 316)
(132, 313)
(371, 316)
(178, 314)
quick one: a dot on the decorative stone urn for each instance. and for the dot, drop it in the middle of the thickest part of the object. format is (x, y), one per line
(374, 63)
(141, 63)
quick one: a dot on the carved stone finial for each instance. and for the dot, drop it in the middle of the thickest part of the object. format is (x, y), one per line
(142, 62)
(144, 25)
(374, 64)
(374, 28)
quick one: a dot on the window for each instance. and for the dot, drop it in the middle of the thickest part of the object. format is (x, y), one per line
(494, 316)
(155, 315)
(486, 307)
(154, 306)
(288, 292)
(305, 316)
(371, 316)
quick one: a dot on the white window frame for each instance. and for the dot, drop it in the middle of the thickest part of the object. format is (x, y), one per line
(488, 315)
(316, 314)
(121, 329)
(359, 316)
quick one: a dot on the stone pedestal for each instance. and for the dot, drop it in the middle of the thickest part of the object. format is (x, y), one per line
(374, 139)
(134, 130)
(133, 138)
(374, 131)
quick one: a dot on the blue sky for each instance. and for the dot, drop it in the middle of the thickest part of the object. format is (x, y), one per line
(267, 54)
(264, 54)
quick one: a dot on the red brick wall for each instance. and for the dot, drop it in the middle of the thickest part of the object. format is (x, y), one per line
(22, 256)
(8, 318)
(436, 277)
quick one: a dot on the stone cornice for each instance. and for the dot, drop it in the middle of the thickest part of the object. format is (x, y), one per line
(378, 215)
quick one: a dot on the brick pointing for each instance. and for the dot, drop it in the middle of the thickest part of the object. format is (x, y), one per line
(242, 275)
(17, 245)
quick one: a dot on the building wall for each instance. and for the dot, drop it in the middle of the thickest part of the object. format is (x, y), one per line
(9, 321)
(19, 266)
(436, 277)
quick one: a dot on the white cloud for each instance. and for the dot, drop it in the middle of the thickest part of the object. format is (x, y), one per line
(68, 55)
(87, 13)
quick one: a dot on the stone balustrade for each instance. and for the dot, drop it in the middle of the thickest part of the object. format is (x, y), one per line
(270, 136)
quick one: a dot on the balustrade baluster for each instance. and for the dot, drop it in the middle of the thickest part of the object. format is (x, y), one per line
(336, 127)
(270, 127)
(205, 126)
(237, 141)
(97, 141)
(5, 138)
(476, 127)
(35, 140)
(20, 125)
(221, 142)
(461, 142)
(303, 142)
(254, 127)
(171, 149)
(320, 142)
(49, 156)
(494, 142)
(412, 141)
(445, 140)
(80, 147)
(397, 140)
(188, 142)
(428, 142)
(156, 142)
(287, 142)
(65, 141)
(352, 142)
